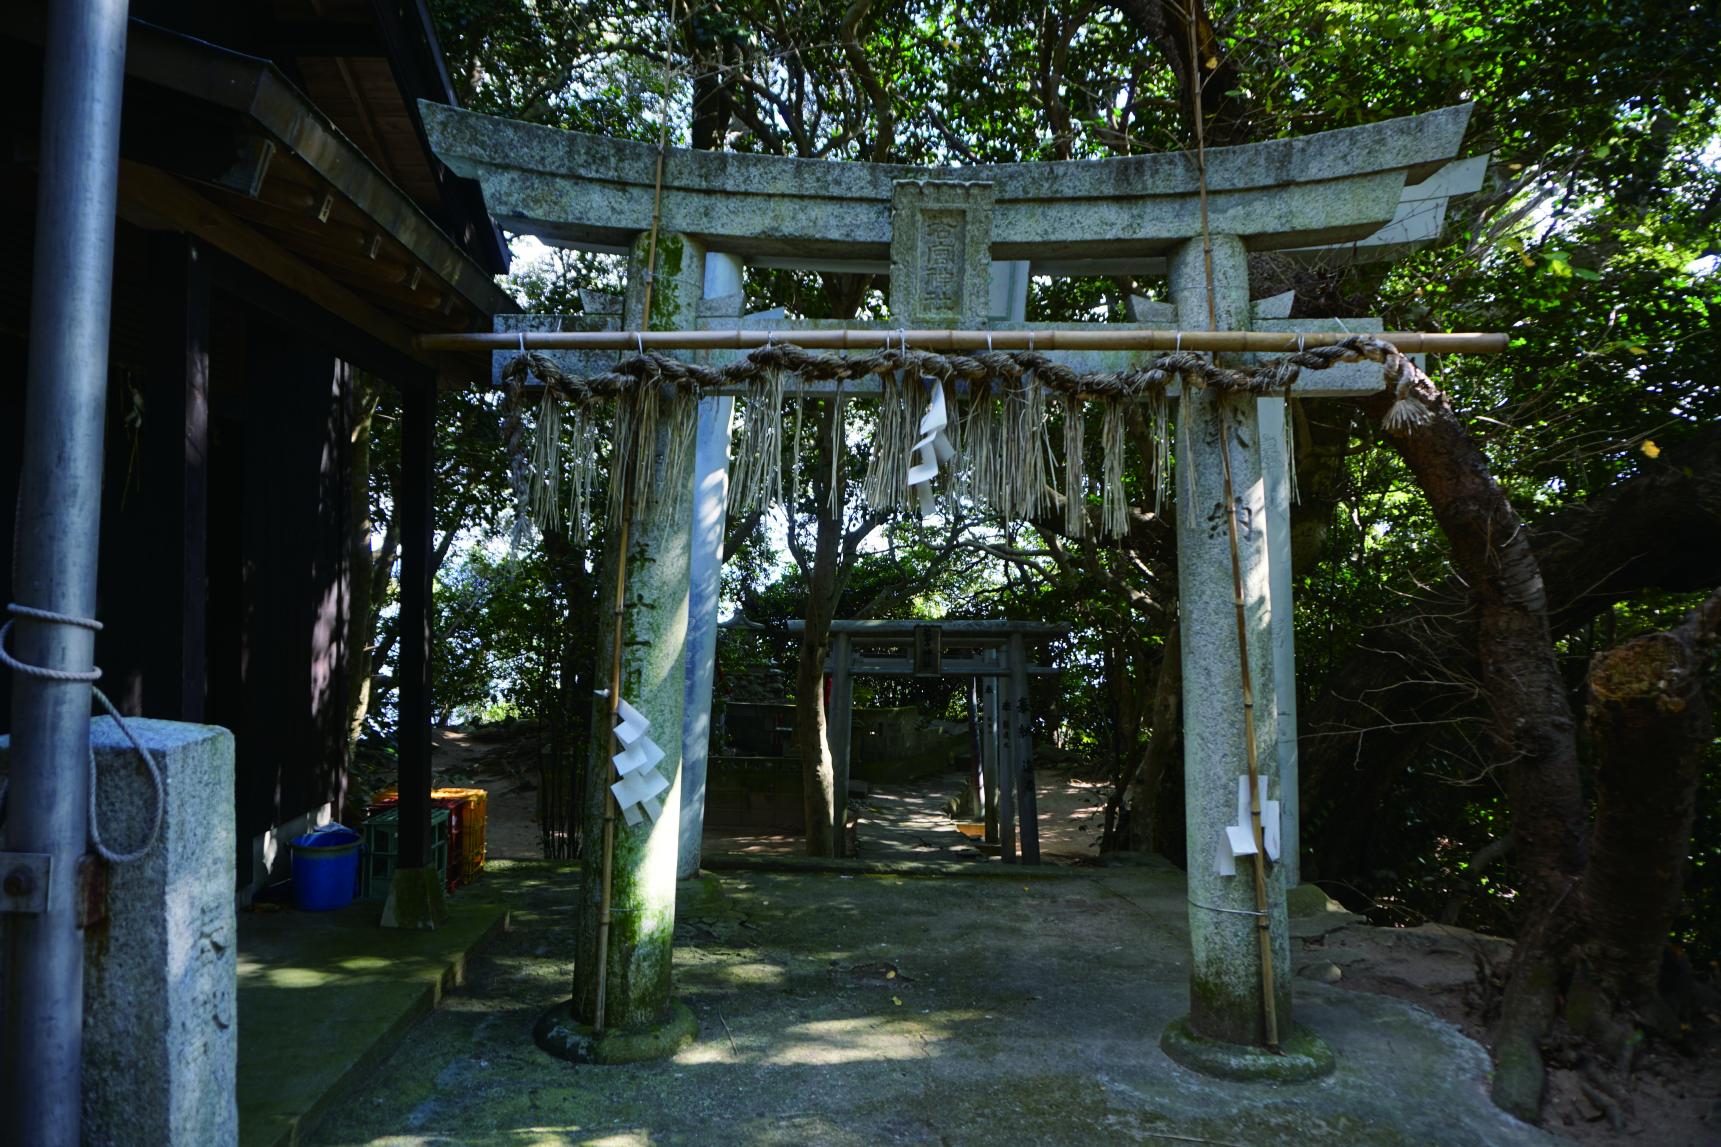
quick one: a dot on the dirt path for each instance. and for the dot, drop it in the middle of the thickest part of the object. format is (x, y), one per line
(908, 822)
(504, 764)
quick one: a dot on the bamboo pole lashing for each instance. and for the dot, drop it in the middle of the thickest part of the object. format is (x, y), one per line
(608, 874)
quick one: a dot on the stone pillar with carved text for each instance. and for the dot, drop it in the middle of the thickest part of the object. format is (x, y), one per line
(1225, 990)
(642, 1021)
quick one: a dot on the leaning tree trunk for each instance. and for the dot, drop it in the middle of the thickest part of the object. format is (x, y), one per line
(1531, 726)
(1650, 724)
(361, 614)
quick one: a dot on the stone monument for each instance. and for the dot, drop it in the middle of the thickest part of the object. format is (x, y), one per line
(161, 1025)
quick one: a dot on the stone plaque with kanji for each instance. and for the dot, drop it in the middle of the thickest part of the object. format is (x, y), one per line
(940, 260)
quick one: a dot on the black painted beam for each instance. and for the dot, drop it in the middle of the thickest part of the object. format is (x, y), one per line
(414, 502)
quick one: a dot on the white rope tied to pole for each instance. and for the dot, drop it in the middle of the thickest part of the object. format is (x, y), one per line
(89, 676)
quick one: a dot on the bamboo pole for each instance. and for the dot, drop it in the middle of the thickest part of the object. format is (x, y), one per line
(1096, 337)
(1263, 932)
(607, 879)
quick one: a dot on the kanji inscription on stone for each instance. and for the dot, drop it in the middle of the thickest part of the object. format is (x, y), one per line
(941, 261)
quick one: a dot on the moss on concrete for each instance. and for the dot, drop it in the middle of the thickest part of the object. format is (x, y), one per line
(416, 899)
(1302, 1056)
(325, 996)
(851, 1010)
(666, 305)
(1310, 900)
(565, 1037)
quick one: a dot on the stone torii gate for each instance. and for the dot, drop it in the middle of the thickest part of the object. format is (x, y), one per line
(959, 245)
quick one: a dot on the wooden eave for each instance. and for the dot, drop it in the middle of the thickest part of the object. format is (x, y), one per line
(366, 64)
(314, 176)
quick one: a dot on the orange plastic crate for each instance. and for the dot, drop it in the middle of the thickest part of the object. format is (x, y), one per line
(473, 813)
(468, 810)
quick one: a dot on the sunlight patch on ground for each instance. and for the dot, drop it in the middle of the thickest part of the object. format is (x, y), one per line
(289, 977)
(619, 1139)
(758, 974)
(853, 1041)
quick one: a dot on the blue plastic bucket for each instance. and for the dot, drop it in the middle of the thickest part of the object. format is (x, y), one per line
(325, 868)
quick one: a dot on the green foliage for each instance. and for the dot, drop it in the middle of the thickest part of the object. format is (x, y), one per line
(491, 609)
(1595, 242)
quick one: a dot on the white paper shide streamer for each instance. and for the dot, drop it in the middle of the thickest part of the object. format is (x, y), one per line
(1239, 838)
(932, 448)
(639, 792)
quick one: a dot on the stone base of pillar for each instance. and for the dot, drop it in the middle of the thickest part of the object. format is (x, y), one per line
(415, 900)
(565, 1037)
(1302, 1057)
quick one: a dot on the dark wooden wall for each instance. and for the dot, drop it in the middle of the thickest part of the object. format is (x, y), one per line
(297, 410)
(223, 580)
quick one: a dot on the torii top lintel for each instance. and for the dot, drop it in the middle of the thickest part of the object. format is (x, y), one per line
(593, 191)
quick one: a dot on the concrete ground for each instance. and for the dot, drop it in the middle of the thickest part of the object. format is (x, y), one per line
(856, 1009)
(324, 996)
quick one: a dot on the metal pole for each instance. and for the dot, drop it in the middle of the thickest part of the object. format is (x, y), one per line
(58, 529)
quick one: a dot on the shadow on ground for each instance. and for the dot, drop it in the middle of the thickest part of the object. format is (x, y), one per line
(873, 1009)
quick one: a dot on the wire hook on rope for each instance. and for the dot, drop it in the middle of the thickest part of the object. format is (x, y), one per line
(1227, 911)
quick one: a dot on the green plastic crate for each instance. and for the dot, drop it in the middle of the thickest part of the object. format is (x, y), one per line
(382, 848)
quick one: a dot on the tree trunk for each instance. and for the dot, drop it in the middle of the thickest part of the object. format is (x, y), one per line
(1531, 724)
(361, 573)
(1650, 724)
(818, 779)
(1155, 801)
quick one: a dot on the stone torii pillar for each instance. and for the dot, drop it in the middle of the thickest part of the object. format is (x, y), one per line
(642, 1020)
(1225, 976)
